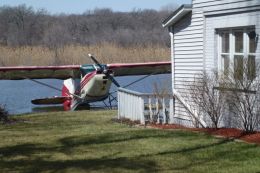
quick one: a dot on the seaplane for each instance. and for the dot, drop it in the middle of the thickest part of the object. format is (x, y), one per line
(83, 84)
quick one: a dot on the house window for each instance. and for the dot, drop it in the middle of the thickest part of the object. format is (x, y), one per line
(237, 46)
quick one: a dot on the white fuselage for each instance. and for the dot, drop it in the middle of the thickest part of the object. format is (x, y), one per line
(91, 88)
(96, 88)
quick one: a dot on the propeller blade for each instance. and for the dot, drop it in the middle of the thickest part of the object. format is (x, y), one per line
(96, 62)
(113, 80)
(104, 71)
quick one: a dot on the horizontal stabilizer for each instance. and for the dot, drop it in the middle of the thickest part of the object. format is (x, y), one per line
(50, 100)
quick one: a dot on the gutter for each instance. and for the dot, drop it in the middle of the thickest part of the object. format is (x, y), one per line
(177, 15)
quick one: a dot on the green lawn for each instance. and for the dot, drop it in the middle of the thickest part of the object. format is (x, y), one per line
(88, 141)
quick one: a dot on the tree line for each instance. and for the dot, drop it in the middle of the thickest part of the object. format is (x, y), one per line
(25, 26)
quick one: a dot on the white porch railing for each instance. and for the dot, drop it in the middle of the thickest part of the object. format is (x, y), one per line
(145, 107)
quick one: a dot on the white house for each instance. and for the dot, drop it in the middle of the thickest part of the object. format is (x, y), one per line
(210, 34)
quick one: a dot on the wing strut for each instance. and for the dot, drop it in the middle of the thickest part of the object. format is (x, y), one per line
(52, 87)
(142, 78)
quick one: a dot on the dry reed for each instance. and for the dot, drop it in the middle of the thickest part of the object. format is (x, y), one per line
(74, 54)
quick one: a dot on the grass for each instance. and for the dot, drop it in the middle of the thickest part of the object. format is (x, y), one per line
(88, 141)
(75, 54)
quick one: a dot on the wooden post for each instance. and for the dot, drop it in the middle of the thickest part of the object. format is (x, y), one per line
(131, 106)
(163, 110)
(118, 104)
(150, 108)
(141, 104)
(171, 112)
(157, 109)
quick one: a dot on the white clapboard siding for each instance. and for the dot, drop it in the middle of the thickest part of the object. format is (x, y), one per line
(186, 48)
(187, 55)
(181, 83)
(188, 45)
(188, 52)
(193, 71)
(188, 113)
(224, 4)
(194, 23)
(192, 28)
(210, 3)
(188, 58)
(189, 64)
(185, 68)
(189, 32)
(194, 40)
(190, 40)
(188, 36)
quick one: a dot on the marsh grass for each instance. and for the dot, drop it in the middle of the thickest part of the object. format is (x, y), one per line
(76, 54)
(88, 141)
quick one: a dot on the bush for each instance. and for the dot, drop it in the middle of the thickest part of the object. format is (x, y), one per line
(3, 114)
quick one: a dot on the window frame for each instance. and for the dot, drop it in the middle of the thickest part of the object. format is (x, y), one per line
(232, 52)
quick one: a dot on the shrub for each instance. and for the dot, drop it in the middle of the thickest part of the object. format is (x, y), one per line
(3, 115)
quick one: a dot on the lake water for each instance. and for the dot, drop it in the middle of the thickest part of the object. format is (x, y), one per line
(16, 95)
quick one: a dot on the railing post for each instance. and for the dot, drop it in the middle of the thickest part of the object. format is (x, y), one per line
(157, 109)
(131, 106)
(118, 104)
(150, 108)
(171, 112)
(163, 110)
(141, 102)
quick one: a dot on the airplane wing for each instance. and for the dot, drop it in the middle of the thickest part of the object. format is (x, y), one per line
(73, 71)
(40, 72)
(129, 69)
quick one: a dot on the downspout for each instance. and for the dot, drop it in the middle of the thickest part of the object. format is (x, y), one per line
(171, 31)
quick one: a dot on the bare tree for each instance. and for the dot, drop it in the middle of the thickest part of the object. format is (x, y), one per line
(162, 93)
(56, 37)
(237, 89)
(3, 115)
(244, 85)
(22, 25)
(206, 99)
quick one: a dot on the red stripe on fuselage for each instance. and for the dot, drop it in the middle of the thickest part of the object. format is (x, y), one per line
(87, 78)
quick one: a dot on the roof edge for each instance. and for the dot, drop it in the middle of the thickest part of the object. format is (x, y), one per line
(177, 15)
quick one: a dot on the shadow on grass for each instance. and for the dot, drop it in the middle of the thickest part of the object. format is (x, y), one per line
(104, 164)
(26, 158)
(69, 143)
(116, 137)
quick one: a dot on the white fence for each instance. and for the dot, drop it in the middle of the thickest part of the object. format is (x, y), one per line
(145, 107)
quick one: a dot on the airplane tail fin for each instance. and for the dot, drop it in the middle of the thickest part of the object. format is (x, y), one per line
(69, 88)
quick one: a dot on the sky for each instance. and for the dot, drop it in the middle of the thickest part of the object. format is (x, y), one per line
(81, 6)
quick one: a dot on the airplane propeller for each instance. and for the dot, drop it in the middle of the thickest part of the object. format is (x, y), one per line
(104, 70)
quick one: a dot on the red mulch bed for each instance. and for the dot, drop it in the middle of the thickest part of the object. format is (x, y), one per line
(224, 132)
